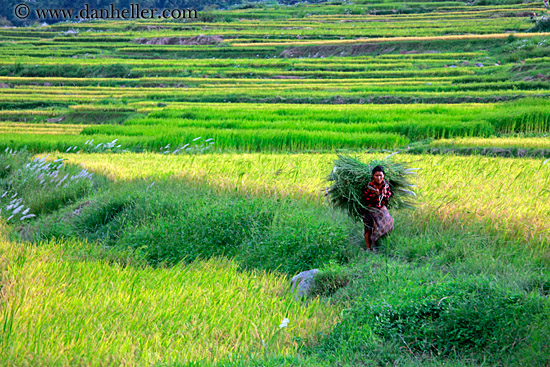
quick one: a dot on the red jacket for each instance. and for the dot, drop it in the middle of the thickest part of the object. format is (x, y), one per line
(374, 200)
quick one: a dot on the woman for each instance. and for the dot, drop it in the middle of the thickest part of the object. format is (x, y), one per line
(377, 219)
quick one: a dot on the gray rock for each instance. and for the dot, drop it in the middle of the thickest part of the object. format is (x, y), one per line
(303, 283)
(56, 119)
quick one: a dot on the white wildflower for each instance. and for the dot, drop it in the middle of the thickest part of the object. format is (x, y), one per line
(63, 179)
(18, 209)
(284, 323)
(391, 155)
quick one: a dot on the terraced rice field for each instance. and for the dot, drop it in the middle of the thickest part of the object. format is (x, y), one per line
(205, 146)
(144, 73)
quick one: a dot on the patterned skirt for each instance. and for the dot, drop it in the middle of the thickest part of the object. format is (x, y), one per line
(378, 223)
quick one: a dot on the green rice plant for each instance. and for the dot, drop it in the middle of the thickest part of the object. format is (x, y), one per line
(246, 127)
(234, 140)
(535, 119)
(40, 128)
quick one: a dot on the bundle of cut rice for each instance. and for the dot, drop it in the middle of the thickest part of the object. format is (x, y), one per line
(350, 176)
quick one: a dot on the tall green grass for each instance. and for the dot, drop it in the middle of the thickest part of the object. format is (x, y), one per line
(284, 127)
(454, 189)
(167, 222)
(61, 305)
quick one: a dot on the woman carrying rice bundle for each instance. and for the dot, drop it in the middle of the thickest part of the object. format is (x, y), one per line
(366, 190)
(377, 218)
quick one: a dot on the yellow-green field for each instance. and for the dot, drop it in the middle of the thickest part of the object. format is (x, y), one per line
(511, 142)
(509, 195)
(58, 298)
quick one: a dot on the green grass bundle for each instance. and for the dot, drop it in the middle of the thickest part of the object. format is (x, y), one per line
(350, 176)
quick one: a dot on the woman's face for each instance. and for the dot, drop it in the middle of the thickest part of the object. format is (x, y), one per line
(378, 177)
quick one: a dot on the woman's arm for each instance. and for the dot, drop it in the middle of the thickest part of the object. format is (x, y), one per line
(386, 193)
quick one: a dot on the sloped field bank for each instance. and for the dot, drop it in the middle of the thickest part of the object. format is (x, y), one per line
(183, 268)
(439, 294)
(166, 222)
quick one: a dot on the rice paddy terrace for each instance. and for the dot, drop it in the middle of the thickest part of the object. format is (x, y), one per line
(318, 77)
(161, 180)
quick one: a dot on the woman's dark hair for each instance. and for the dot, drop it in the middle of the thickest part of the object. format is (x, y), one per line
(378, 169)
